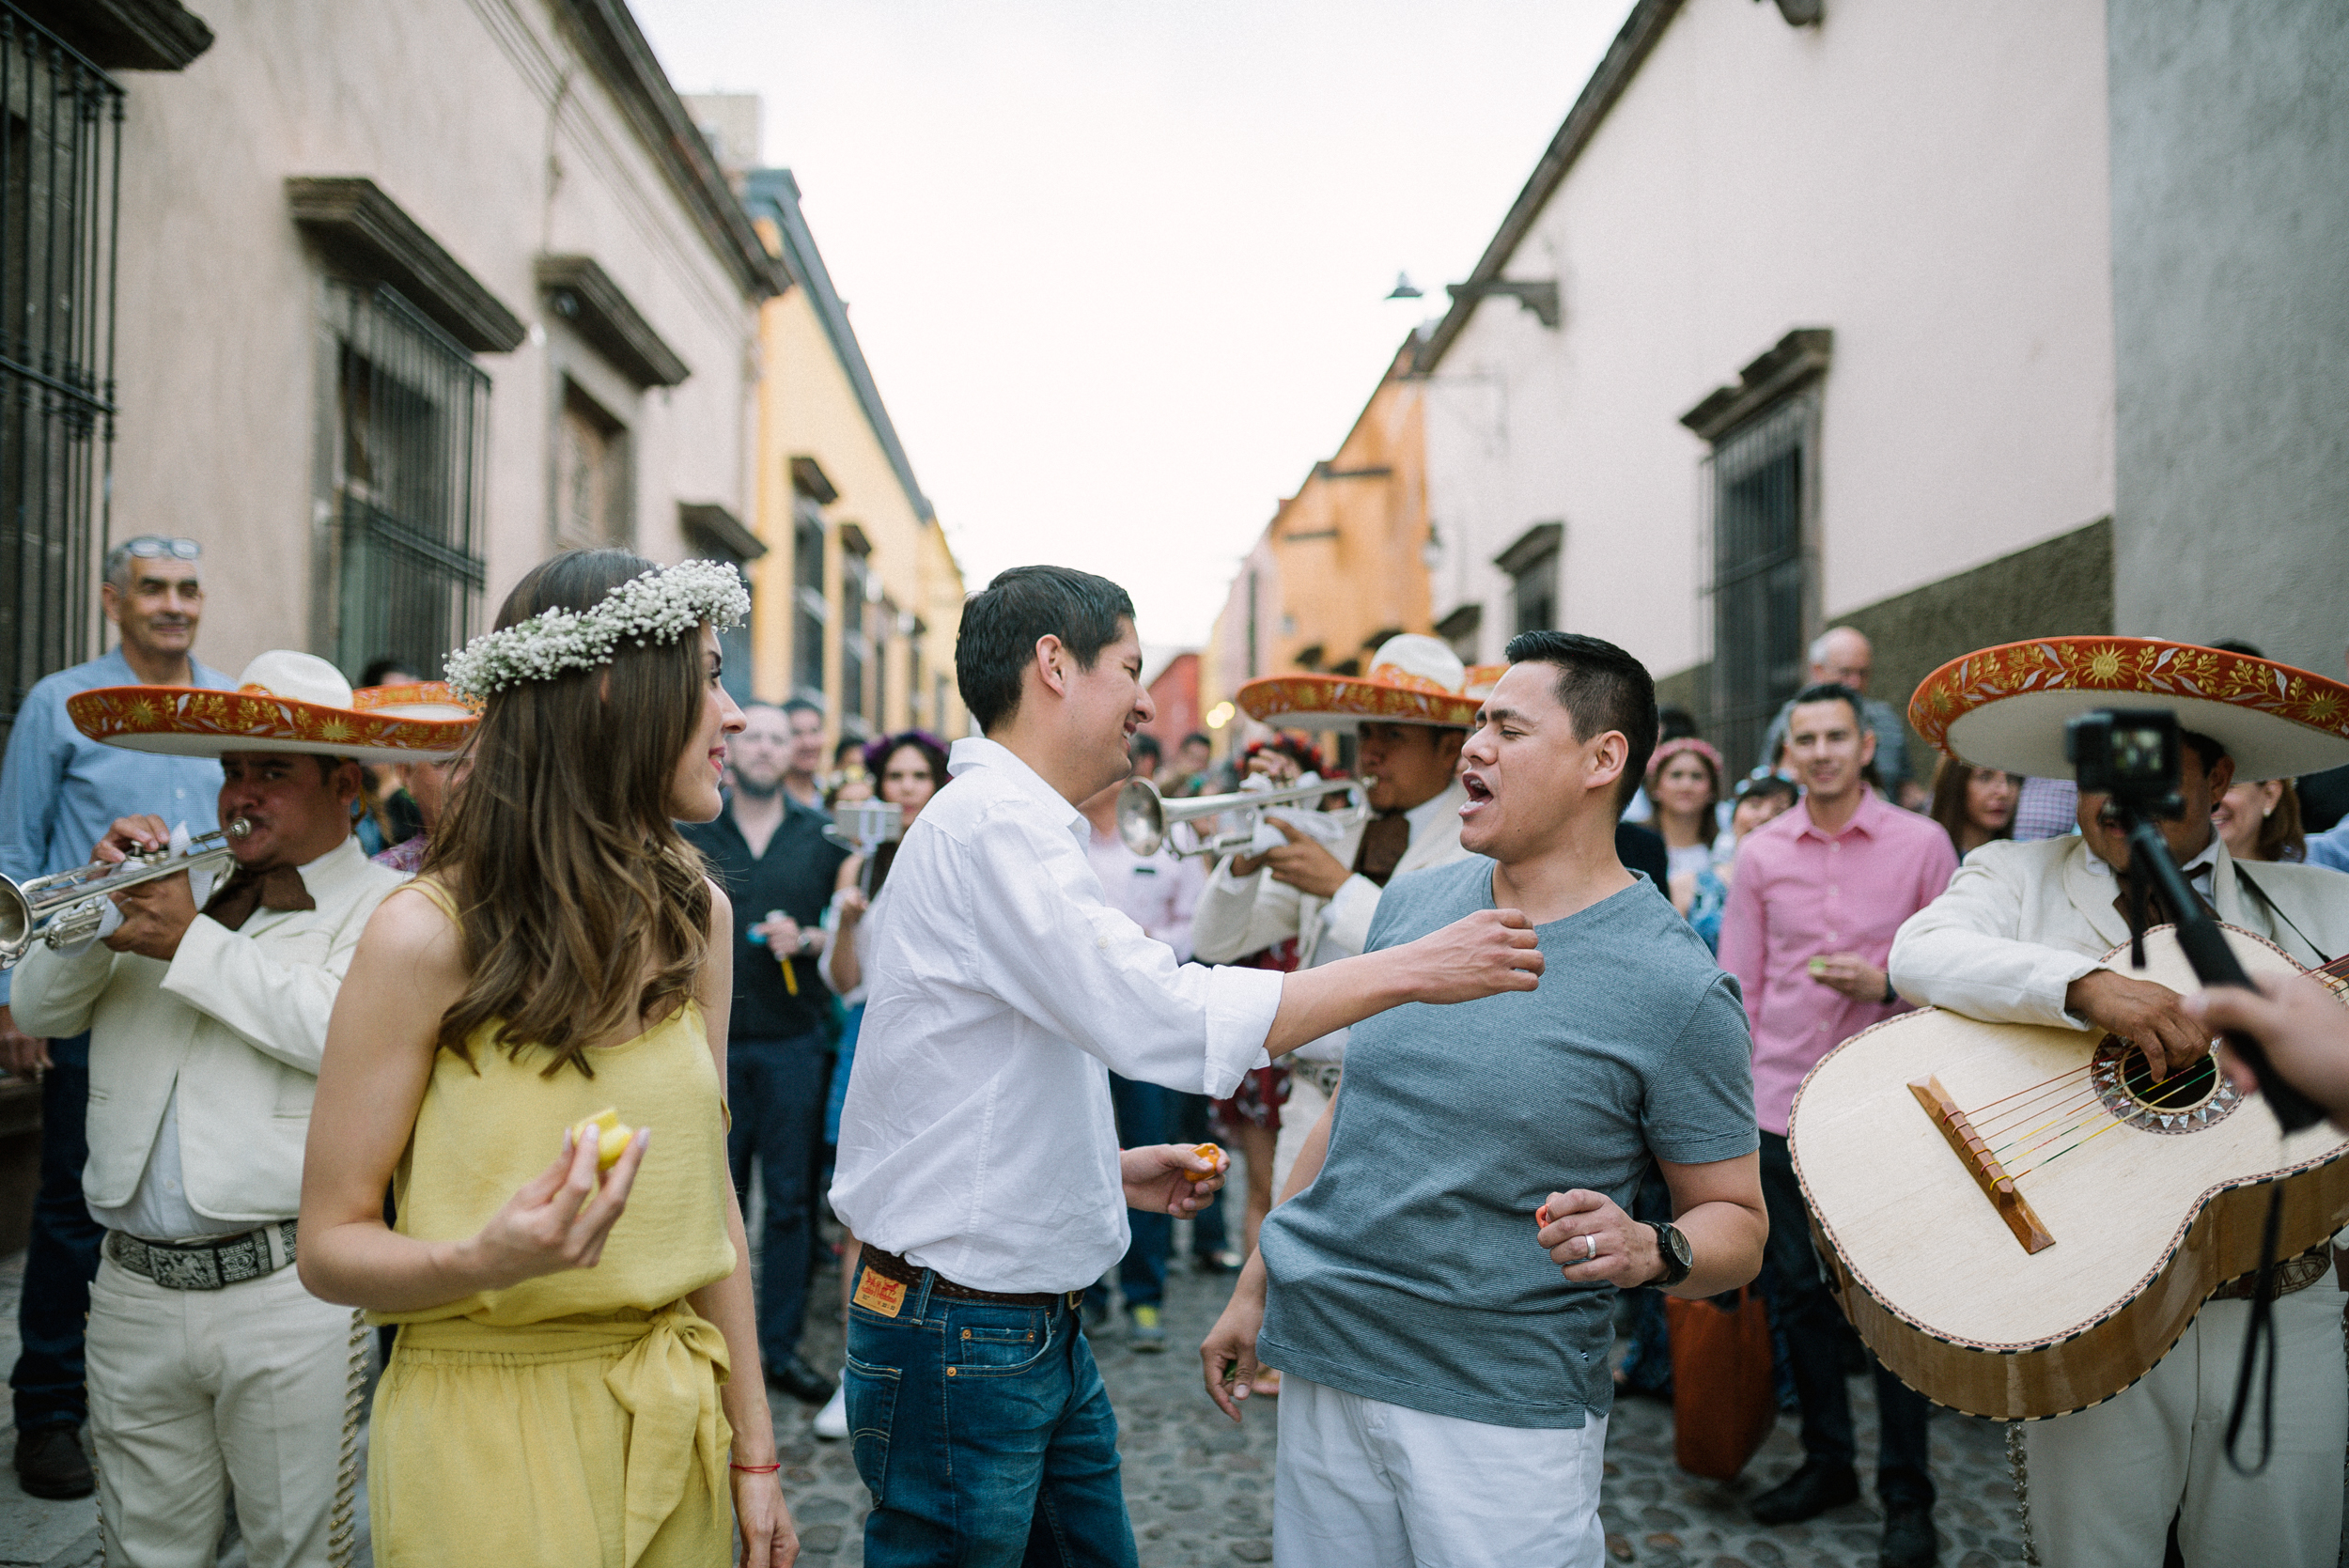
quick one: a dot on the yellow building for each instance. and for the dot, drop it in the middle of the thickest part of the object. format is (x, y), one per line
(857, 595)
(1341, 567)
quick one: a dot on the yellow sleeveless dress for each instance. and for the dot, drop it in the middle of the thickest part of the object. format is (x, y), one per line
(574, 1417)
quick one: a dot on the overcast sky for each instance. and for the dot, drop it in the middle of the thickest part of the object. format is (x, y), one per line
(1118, 265)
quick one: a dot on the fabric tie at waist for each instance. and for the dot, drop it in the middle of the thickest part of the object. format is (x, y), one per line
(663, 1382)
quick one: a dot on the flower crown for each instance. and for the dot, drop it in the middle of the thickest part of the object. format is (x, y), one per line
(660, 606)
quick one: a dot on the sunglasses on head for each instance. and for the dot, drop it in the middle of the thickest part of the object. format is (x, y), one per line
(152, 547)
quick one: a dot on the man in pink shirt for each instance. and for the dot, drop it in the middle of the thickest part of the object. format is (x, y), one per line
(1818, 895)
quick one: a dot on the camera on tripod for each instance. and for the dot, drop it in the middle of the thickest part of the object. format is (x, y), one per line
(2130, 755)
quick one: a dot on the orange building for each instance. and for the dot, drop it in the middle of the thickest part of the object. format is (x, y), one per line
(1342, 566)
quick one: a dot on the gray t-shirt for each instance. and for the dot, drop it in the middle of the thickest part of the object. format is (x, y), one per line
(1407, 1272)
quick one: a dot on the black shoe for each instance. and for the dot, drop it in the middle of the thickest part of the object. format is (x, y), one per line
(1908, 1540)
(1805, 1495)
(801, 1381)
(50, 1464)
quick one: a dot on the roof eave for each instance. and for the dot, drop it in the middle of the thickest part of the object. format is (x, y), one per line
(1633, 43)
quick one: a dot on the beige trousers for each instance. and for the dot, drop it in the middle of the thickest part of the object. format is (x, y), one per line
(1306, 1102)
(2104, 1484)
(195, 1392)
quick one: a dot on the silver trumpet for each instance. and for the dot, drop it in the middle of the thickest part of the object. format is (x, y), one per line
(1146, 819)
(68, 906)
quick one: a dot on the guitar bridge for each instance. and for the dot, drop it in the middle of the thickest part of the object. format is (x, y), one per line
(1982, 1164)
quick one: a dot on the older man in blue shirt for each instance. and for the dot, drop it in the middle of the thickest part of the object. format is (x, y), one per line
(59, 792)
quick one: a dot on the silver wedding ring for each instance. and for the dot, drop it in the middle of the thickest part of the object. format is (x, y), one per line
(1590, 1246)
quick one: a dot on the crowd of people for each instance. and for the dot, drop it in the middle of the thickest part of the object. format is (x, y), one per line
(1506, 1025)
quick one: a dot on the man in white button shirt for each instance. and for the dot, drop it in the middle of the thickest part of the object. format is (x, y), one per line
(212, 1371)
(978, 1154)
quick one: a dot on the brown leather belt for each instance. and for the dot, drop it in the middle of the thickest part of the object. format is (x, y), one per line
(890, 1266)
(2294, 1273)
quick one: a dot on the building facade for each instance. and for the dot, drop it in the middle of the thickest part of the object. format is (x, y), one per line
(857, 595)
(1959, 325)
(408, 299)
(1343, 564)
(1710, 390)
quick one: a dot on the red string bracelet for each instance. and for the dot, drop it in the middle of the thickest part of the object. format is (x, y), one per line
(755, 1469)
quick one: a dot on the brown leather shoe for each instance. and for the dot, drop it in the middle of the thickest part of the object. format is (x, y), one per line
(50, 1464)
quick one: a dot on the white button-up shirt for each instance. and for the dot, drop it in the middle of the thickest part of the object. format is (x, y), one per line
(977, 1139)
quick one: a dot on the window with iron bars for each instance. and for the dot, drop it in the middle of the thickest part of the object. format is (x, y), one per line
(808, 611)
(60, 192)
(404, 443)
(1759, 502)
(856, 648)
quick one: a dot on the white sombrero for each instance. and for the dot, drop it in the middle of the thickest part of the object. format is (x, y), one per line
(2006, 707)
(1413, 680)
(284, 701)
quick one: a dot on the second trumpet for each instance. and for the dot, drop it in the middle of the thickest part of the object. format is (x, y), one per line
(68, 906)
(1146, 819)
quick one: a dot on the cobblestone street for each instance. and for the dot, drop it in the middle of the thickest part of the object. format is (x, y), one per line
(1200, 1490)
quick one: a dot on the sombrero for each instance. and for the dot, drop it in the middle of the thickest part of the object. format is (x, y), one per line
(1413, 680)
(284, 701)
(2006, 707)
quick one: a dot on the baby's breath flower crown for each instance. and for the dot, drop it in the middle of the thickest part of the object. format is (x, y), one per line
(660, 606)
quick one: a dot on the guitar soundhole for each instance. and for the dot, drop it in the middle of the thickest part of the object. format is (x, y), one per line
(2188, 1100)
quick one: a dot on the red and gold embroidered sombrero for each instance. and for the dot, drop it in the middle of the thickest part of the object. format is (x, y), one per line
(2006, 707)
(1413, 680)
(285, 702)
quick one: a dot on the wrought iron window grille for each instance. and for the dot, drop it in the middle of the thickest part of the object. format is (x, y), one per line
(60, 198)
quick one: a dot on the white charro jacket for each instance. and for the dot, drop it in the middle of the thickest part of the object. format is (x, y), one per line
(1239, 915)
(236, 1020)
(2021, 922)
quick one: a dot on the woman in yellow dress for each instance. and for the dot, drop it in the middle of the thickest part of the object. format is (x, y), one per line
(576, 1374)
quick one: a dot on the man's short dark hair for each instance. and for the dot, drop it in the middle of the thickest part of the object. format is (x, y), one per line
(800, 704)
(1196, 738)
(1001, 622)
(1832, 691)
(1674, 724)
(1148, 746)
(1601, 688)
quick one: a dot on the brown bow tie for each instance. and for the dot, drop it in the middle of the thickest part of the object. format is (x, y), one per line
(1384, 841)
(2157, 910)
(280, 888)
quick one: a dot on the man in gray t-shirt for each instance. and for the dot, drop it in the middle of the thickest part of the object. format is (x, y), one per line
(1437, 1286)
(1407, 1270)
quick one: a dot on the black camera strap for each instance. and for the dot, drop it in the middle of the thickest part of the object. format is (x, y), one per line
(2258, 1335)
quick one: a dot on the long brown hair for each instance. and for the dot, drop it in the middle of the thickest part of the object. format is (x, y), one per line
(570, 879)
(1951, 779)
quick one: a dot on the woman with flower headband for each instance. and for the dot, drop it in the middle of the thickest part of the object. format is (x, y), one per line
(576, 1348)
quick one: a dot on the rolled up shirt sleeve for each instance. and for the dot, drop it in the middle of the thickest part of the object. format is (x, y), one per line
(1060, 955)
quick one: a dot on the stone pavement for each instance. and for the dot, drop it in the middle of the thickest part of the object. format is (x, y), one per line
(1200, 1489)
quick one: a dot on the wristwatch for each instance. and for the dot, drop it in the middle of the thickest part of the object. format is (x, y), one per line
(1673, 1247)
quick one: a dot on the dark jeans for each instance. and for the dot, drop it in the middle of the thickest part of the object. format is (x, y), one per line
(1813, 1326)
(1144, 1115)
(1193, 1116)
(1011, 1459)
(62, 1257)
(775, 1089)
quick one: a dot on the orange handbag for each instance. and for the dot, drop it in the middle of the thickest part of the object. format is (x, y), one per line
(1723, 1404)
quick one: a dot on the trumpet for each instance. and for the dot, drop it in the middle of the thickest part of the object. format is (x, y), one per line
(68, 906)
(1146, 819)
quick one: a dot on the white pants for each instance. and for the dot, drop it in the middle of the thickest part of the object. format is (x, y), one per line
(2103, 1483)
(1361, 1483)
(193, 1392)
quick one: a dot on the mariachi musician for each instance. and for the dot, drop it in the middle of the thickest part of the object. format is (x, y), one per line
(2020, 938)
(212, 1373)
